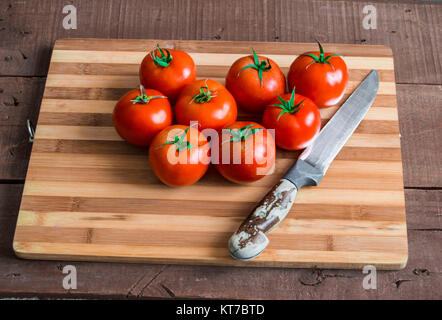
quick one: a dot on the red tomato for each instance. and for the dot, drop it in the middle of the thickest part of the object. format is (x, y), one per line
(208, 102)
(179, 155)
(140, 114)
(295, 118)
(168, 71)
(322, 77)
(254, 81)
(246, 152)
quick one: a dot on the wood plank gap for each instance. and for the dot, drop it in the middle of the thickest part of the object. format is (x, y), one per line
(422, 188)
(12, 181)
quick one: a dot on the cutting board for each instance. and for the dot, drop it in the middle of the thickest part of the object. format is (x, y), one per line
(90, 196)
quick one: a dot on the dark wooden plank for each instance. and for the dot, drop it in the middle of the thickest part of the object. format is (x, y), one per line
(412, 29)
(19, 100)
(28, 31)
(424, 209)
(421, 279)
(420, 121)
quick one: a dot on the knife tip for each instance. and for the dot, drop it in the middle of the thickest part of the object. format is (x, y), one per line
(374, 73)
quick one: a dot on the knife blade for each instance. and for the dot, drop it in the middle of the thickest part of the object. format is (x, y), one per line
(250, 238)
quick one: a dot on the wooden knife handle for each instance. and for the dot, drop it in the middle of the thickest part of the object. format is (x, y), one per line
(250, 239)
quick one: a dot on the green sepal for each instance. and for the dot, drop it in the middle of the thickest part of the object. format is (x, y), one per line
(205, 95)
(243, 133)
(322, 58)
(259, 66)
(179, 141)
(164, 59)
(281, 113)
(315, 58)
(292, 98)
(331, 55)
(145, 99)
(288, 106)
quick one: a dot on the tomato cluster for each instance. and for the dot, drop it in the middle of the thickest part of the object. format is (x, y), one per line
(207, 130)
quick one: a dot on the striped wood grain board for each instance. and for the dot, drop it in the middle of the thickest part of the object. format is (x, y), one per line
(90, 196)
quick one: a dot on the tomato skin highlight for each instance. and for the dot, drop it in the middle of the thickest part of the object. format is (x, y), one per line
(179, 168)
(321, 82)
(218, 112)
(171, 79)
(257, 156)
(293, 131)
(138, 123)
(246, 87)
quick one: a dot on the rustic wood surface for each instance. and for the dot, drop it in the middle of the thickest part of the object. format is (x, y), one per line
(411, 29)
(122, 212)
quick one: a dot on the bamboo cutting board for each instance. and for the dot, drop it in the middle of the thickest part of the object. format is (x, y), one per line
(91, 196)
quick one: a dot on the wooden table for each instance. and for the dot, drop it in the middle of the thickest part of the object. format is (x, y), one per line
(411, 29)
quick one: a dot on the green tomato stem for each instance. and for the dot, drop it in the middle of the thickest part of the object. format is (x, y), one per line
(205, 95)
(288, 106)
(261, 67)
(243, 133)
(321, 58)
(179, 141)
(143, 98)
(159, 58)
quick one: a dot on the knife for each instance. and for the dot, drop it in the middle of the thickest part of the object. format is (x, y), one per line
(250, 239)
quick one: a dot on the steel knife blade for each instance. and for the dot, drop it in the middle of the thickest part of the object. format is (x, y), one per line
(250, 238)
